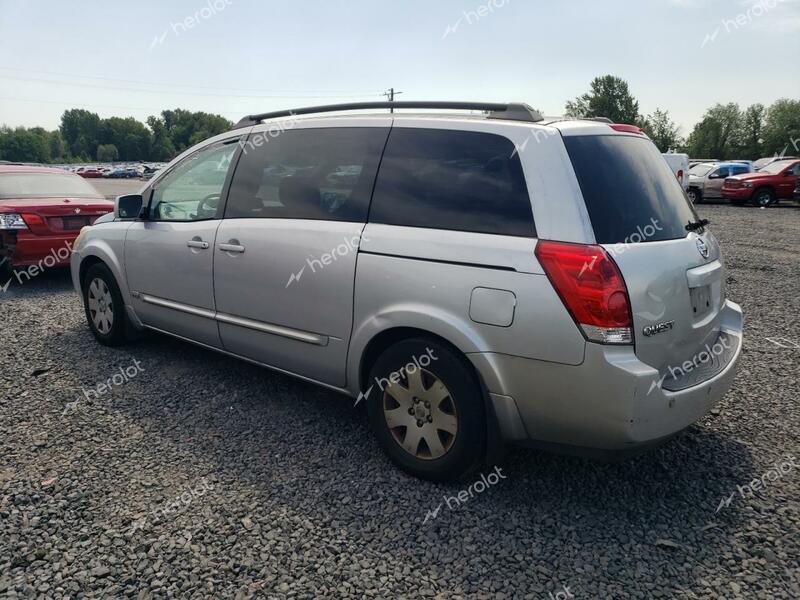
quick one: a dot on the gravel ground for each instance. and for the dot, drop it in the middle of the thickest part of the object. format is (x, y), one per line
(202, 476)
(111, 188)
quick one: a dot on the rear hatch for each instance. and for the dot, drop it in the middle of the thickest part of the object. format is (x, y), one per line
(639, 213)
(52, 203)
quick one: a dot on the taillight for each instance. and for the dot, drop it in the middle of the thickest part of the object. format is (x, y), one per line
(680, 175)
(592, 289)
(32, 220)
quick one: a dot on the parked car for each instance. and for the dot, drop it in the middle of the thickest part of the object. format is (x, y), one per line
(699, 161)
(797, 190)
(90, 173)
(768, 186)
(679, 163)
(763, 162)
(706, 179)
(41, 212)
(466, 290)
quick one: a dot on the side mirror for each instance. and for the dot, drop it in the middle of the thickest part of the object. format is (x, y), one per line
(128, 207)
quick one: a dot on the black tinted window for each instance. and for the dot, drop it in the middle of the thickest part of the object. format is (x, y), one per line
(307, 174)
(459, 180)
(627, 186)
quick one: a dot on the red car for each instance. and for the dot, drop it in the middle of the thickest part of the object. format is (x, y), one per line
(91, 173)
(772, 183)
(41, 212)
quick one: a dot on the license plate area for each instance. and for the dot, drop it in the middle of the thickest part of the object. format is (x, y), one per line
(74, 223)
(701, 300)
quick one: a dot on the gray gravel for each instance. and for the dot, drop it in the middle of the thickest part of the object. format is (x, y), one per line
(202, 476)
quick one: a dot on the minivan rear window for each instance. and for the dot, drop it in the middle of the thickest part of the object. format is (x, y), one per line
(446, 179)
(627, 185)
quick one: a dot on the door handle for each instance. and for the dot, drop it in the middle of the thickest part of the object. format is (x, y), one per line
(196, 243)
(232, 246)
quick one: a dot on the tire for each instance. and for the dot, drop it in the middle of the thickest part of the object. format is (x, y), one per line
(447, 404)
(105, 310)
(695, 196)
(763, 197)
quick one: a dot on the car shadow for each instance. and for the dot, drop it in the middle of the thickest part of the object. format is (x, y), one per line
(290, 444)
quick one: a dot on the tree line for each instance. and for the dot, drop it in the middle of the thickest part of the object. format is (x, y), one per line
(726, 131)
(84, 137)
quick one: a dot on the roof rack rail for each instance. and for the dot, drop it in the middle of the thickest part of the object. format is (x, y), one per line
(513, 111)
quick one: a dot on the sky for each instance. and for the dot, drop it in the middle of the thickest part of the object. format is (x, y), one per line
(237, 57)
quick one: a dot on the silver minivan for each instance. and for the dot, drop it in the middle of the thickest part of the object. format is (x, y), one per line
(472, 278)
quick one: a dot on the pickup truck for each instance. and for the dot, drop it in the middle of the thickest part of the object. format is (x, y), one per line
(773, 183)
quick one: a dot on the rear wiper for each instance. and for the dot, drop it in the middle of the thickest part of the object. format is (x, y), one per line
(695, 225)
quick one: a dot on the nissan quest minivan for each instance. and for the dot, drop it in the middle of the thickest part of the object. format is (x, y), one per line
(473, 277)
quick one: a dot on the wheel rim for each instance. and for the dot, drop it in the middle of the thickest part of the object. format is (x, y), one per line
(693, 197)
(763, 199)
(421, 414)
(101, 306)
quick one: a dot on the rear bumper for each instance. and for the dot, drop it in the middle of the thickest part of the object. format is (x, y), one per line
(24, 249)
(611, 402)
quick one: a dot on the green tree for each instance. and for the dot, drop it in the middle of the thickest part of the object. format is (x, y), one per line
(610, 97)
(662, 130)
(718, 134)
(80, 129)
(187, 128)
(782, 128)
(24, 145)
(107, 153)
(130, 136)
(752, 130)
(58, 148)
(161, 147)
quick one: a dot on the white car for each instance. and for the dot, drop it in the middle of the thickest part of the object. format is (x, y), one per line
(679, 163)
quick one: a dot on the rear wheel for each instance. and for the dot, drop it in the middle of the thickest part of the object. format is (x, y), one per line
(694, 195)
(764, 197)
(426, 409)
(105, 310)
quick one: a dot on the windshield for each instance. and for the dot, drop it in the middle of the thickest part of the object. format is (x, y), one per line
(39, 185)
(776, 167)
(629, 189)
(700, 170)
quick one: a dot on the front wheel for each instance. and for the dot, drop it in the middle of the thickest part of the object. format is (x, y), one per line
(426, 408)
(105, 310)
(695, 197)
(764, 197)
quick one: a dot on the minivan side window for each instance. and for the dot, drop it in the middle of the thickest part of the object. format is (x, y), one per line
(192, 191)
(739, 169)
(446, 179)
(322, 174)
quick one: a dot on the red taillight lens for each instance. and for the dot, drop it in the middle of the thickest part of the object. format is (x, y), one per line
(32, 220)
(591, 286)
(680, 175)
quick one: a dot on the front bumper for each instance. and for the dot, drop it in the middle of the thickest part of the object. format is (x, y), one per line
(742, 193)
(612, 401)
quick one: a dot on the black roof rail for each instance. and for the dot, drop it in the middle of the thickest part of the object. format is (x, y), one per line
(513, 111)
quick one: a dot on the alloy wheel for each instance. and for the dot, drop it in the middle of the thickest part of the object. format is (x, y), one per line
(421, 414)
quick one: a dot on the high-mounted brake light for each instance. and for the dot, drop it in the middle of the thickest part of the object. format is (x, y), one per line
(624, 128)
(592, 288)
